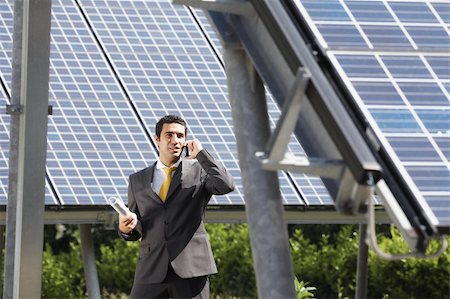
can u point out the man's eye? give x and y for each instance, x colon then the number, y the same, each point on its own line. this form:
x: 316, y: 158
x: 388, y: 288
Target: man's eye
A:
x: 180, y: 135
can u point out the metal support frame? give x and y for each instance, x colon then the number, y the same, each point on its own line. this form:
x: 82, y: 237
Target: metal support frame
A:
x: 264, y: 207
x: 28, y: 146
x: 2, y: 248
x: 362, y: 264
x: 89, y: 267
x: 275, y: 156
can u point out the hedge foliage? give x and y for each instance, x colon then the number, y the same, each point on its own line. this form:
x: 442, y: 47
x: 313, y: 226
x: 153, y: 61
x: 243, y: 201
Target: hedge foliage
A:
x: 324, y: 264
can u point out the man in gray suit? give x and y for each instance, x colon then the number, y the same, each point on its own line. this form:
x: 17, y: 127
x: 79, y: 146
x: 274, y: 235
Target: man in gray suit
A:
x: 168, y: 200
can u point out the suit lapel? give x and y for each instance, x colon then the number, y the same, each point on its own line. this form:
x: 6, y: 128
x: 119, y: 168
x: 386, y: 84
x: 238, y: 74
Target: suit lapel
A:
x: 146, y: 181
x: 177, y: 179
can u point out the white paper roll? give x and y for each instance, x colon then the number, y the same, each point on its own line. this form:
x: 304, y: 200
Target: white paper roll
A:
x: 119, y: 206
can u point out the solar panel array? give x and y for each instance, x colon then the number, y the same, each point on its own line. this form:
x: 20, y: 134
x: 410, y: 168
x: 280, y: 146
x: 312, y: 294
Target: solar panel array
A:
x: 394, y: 56
x: 116, y: 67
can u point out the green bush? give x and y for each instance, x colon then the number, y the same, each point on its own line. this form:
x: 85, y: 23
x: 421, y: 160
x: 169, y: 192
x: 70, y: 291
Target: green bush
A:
x: 327, y: 261
x: 408, y: 278
x: 328, y: 267
x: 231, y: 248
x: 116, y: 266
x: 331, y: 267
x: 62, y: 274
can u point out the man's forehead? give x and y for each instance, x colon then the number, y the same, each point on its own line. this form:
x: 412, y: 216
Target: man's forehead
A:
x: 173, y: 128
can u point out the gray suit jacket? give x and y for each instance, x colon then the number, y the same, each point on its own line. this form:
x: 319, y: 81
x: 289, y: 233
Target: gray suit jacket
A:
x: 173, y: 231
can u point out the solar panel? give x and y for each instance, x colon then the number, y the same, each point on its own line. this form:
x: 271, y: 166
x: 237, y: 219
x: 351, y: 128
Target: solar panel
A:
x: 94, y: 138
x: 167, y: 66
x: 117, y: 66
x: 394, y: 58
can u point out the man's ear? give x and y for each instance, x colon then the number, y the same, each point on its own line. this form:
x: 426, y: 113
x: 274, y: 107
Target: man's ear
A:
x: 156, y: 139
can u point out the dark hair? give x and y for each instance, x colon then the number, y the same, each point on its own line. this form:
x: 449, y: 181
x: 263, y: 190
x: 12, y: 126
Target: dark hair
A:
x: 169, y: 119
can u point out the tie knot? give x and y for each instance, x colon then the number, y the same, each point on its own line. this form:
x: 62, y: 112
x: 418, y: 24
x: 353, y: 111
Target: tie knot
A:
x: 169, y: 170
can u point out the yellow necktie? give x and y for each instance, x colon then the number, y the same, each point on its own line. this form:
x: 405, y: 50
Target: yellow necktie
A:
x: 166, y: 184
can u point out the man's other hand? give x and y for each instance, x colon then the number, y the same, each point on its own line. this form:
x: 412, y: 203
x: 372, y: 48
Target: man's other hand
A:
x: 127, y: 223
x: 194, y: 147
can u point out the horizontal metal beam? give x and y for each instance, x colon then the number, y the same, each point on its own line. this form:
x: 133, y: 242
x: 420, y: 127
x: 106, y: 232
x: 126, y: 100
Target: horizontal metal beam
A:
x: 313, y: 166
x: 238, y: 7
x: 293, y: 214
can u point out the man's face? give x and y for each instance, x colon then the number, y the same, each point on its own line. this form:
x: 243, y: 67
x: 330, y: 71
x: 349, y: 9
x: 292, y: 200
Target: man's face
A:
x: 171, y: 142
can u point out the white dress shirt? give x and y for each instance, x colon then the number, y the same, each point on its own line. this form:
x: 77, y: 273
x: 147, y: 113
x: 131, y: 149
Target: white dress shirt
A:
x: 159, y: 175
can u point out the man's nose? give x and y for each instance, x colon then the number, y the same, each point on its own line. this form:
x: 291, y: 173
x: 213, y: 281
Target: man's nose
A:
x: 175, y: 139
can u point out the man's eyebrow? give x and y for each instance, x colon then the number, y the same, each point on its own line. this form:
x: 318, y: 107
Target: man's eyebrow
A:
x: 172, y: 132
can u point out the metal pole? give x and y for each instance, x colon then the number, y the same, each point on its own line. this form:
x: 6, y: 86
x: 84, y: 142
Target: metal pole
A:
x: 264, y: 208
x: 89, y: 267
x: 2, y: 247
x: 362, y: 265
x: 11, y: 208
x: 28, y: 146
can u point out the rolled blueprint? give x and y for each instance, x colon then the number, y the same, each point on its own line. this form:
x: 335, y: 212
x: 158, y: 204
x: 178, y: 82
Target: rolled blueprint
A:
x: 119, y: 206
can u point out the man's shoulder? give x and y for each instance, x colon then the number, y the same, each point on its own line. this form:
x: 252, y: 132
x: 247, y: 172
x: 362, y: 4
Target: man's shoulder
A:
x: 143, y: 171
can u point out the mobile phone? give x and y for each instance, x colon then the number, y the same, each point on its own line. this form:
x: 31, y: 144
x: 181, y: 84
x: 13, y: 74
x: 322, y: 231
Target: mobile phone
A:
x: 186, y: 149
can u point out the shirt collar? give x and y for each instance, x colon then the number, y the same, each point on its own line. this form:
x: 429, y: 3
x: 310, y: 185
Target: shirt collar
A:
x: 160, y: 165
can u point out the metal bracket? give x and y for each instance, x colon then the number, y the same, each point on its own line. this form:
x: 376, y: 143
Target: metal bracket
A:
x: 14, y: 109
x: 18, y: 109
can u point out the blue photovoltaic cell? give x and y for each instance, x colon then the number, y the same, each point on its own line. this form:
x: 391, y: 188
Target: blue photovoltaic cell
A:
x: 326, y: 10
x: 395, y: 121
x: 428, y: 37
x: 378, y: 93
x: 342, y: 35
x: 430, y: 178
x: 444, y: 145
x: 402, y: 67
x: 406, y: 92
x: 94, y: 138
x: 361, y: 66
x: 436, y: 120
x: 374, y: 11
x: 442, y: 10
x: 413, y: 12
x: 386, y: 36
x: 424, y: 94
x: 410, y: 149
x: 440, y: 66
x: 441, y: 208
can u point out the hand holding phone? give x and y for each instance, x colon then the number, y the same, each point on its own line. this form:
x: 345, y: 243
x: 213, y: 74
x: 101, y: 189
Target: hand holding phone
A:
x: 193, y: 148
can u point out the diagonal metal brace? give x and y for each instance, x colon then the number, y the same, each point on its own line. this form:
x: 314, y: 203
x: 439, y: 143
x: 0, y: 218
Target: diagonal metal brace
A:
x: 278, y: 142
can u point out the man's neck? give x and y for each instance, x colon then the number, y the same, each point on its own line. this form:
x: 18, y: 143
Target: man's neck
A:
x: 168, y: 162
